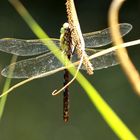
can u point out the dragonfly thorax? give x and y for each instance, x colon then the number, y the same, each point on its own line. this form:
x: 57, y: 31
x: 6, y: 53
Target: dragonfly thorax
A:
x: 65, y: 39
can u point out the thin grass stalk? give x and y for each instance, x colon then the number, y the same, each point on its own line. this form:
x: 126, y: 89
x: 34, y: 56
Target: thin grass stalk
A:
x: 115, y: 123
x: 5, y: 88
x: 126, y: 64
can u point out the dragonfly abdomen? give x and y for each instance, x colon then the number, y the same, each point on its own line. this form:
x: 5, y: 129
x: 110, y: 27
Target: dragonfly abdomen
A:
x: 66, y: 97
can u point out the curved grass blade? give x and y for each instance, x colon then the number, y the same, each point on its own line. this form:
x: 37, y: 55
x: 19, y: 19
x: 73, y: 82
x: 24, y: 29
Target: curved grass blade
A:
x: 107, y: 113
x: 98, y: 54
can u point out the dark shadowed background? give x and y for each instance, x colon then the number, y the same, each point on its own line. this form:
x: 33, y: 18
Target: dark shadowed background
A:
x: 32, y: 113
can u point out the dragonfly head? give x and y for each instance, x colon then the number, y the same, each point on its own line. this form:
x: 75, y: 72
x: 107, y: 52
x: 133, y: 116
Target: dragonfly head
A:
x: 64, y: 28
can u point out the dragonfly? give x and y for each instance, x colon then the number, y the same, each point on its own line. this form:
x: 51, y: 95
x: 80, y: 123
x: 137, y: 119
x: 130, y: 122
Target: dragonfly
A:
x: 45, y: 60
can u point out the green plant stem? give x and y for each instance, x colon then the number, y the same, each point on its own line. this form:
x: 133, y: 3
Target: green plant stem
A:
x: 115, y: 123
x: 6, y: 87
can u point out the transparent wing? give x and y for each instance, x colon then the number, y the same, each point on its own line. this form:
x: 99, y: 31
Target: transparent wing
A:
x: 102, y: 38
x: 33, y: 66
x: 104, y: 61
x: 47, y: 62
x: 23, y: 47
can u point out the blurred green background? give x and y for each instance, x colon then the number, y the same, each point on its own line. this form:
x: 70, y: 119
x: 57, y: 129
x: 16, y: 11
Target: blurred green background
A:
x: 32, y: 113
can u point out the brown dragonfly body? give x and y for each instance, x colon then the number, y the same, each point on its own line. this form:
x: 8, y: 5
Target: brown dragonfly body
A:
x: 47, y: 61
